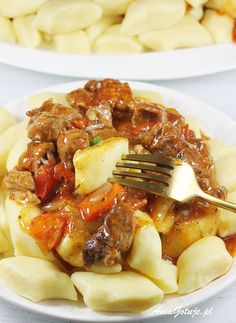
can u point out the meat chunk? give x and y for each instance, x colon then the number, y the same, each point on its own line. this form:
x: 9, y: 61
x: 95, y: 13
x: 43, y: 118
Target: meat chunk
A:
x: 20, y: 185
x: 117, y: 94
x: 48, y: 121
x: 19, y: 180
x: 70, y: 141
x: 112, y: 239
x: 36, y: 155
x: 168, y: 140
x: 148, y: 112
x: 104, y: 133
x: 100, y: 114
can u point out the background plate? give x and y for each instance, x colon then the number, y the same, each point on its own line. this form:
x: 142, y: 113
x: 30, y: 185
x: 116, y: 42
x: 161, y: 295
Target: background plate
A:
x: 146, y: 66
x: 77, y: 311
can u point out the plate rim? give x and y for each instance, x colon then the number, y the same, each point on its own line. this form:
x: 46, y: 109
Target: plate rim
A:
x: 180, y: 63
x: 121, y: 317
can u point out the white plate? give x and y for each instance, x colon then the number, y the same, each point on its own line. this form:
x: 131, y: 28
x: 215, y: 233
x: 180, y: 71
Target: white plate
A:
x: 146, y: 66
x: 219, y: 124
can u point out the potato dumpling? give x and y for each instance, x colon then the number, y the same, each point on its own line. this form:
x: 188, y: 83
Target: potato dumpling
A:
x: 146, y: 250
x: 113, y: 42
x: 18, y: 8
x: 224, y: 6
x: 36, y: 279
x: 201, y: 263
x: 219, y: 26
x: 219, y: 149
x: 146, y: 15
x: 101, y: 26
x: 6, y: 31
x: 102, y: 269
x: 26, y: 34
x: 3, y: 242
x: 114, y: 8
x: 71, y: 246
x: 4, y: 224
x: 6, y: 118
x: 186, y: 231
x: 7, y: 140
x: 121, y: 292
x: 64, y: 16
x: 145, y: 257
x: 194, y: 125
x: 37, y: 99
x: 227, y: 223
x: 225, y: 171
x: 94, y: 165
x: 196, y: 3
x: 74, y: 42
x: 188, y: 32
x: 197, y: 12
x: 152, y: 96
x: 162, y: 218
x: 24, y: 244
x: 16, y: 152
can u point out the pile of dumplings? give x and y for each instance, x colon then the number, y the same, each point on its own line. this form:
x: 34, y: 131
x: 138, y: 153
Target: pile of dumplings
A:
x: 120, y: 26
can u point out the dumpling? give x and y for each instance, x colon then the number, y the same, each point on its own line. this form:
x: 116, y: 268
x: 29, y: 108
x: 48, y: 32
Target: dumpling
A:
x: 146, y: 15
x: 202, y: 262
x: 188, y: 32
x: 114, y: 7
x: 113, y: 42
x: 227, y: 223
x: 63, y: 16
x: 196, y: 3
x: 122, y: 292
x: 6, y: 118
x: 219, y: 26
x: 101, y: 26
x: 26, y: 34
x: 100, y: 160
x: 6, y: 32
x: 18, y: 8
x: 36, y: 279
x: 225, y: 6
x: 74, y: 42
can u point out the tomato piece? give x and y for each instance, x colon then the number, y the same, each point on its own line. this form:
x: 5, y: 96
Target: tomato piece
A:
x: 47, y: 229
x: 144, y: 127
x: 62, y: 171
x: 44, y: 181
x: 230, y: 243
x: 100, y: 201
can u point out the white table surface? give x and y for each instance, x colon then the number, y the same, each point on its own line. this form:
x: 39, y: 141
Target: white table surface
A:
x: 218, y: 90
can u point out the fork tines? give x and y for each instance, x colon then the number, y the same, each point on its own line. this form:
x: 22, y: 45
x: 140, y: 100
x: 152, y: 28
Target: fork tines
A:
x: 154, y: 176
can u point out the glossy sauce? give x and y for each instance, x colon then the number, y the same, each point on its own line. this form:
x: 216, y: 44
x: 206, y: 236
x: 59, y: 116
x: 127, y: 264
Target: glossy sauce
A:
x: 230, y: 243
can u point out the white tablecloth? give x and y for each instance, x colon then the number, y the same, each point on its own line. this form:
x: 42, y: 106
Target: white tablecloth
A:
x: 218, y: 90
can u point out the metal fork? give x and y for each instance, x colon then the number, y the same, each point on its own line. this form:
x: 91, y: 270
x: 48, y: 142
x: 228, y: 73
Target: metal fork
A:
x: 167, y: 177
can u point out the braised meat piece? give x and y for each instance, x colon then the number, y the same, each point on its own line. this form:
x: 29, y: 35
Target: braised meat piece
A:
x: 100, y: 114
x: 36, y: 155
x: 48, y: 121
x: 117, y: 94
x: 148, y: 112
x: 112, y: 239
x: 20, y: 185
x: 19, y: 180
x: 70, y: 141
x: 104, y: 133
x: 168, y: 140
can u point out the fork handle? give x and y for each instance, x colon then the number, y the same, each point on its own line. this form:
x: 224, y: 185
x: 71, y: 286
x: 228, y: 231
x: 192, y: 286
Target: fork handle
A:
x: 218, y: 202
